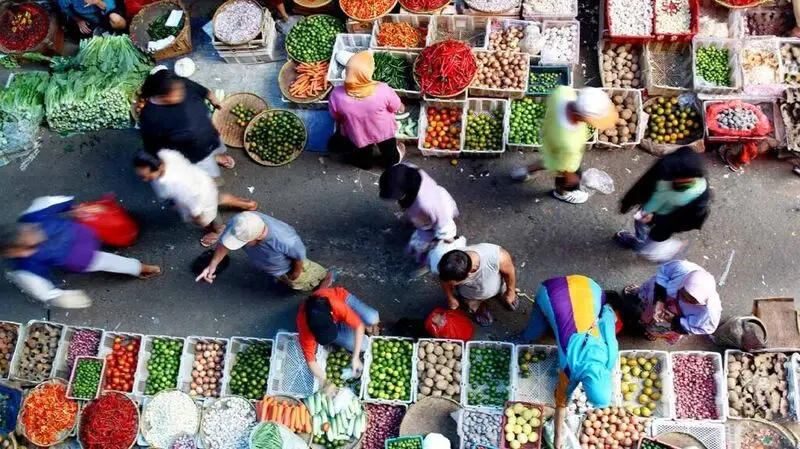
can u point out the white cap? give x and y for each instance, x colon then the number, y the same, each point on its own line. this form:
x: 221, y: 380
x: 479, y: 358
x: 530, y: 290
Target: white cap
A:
x: 244, y: 228
x: 594, y: 106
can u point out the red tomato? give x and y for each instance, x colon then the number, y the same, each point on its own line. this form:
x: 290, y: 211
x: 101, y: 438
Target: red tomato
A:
x: 117, y: 346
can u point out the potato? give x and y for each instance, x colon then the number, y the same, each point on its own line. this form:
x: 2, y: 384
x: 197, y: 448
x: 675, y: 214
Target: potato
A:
x: 429, y: 347
x: 441, y: 359
x: 442, y: 385
x: 457, y: 367
x: 450, y: 363
x: 450, y: 390
x: 457, y: 350
x: 438, y: 378
x: 449, y: 355
x: 428, y: 365
x: 420, y: 365
x: 445, y: 371
x: 430, y: 372
x: 456, y: 377
x: 447, y: 346
x: 421, y: 354
x: 437, y: 393
x: 428, y: 382
x: 438, y: 350
x: 448, y: 377
x: 431, y: 358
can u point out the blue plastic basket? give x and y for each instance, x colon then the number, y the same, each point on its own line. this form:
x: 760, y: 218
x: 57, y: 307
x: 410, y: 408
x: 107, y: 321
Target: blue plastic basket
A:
x: 392, y: 440
x: 564, y: 78
x: 14, y: 403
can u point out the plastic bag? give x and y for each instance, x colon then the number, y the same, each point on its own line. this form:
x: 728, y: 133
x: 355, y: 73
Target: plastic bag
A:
x: 596, y: 179
x: 762, y: 127
x: 533, y: 42
x: 132, y: 7
x: 448, y: 323
x: 109, y: 220
x: 435, y: 441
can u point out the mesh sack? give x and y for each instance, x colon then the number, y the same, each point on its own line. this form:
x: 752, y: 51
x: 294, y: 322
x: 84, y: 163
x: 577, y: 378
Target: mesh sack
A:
x: 762, y: 127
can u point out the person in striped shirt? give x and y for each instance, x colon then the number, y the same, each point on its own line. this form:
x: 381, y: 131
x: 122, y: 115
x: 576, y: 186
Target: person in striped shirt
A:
x: 575, y: 308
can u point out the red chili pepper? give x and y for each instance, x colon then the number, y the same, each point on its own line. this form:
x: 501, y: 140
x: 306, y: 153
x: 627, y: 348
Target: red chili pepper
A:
x: 109, y: 422
x: 421, y: 6
x: 23, y: 27
x: 445, y: 68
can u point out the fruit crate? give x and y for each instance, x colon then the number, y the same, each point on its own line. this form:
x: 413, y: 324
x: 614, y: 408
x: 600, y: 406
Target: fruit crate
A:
x: 499, y: 92
x: 637, y: 105
x: 721, y: 398
x: 188, y: 358
x: 329, y: 350
x: 460, y: 427
x: 410, y: 58
x: 14, y: 372
x: 466, y: 367
x: 237, y: 345
x: 529, y: 445
x: 353, y: 43
x: 541, y: 379
x: 705, y: 87
x: 107, y: 347
x: 99, y: 383
x: 791, y: 380
x: 469, y: 29
x: 19, y: 328
x: 513, y: 146
x: 460, y: 360
x: 365, y: 377
x: 288, y: 372
x: 711, y: 435
x: 576, y: 43
x: 564, y: 77
x: 146, y: 350
x: 423, y: 126
x: 484, y: 106
x: 62, y: 370
x: 663, y: 408
x: 415, y: 20
x: 387, y: 444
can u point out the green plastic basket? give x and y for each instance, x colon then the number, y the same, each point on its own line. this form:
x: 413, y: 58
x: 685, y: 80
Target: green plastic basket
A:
x: 398, y: 439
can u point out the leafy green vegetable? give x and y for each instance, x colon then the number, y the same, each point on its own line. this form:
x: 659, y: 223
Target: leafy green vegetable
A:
x: 159, y: 30
x: 21, y: 112
x: 112, y: 54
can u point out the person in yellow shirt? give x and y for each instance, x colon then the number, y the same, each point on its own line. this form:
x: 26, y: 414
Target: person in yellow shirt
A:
x: 564, y: 129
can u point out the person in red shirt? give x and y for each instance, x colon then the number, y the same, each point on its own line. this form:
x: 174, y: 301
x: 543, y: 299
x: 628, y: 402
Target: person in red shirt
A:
x: 333, y: 316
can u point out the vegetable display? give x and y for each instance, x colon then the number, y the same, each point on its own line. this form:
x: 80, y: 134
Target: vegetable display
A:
x: 621, y: 66
x: 243, y: 114
x: 543, y: 82
x: 439, y: 369
x: 251, y: 370
x: 523, y: 425
x: 560, y: 44
x: 484, y: 131
x: 86, y: 378
x: 502, y: 70
x: 39, y: 351
x: 47, y: 416
x: 390, y: 370
x: 23, y: 27
x: 292, y: 415
x: 404, y: 443
x: 159, y: 30
x: 9, y: 333
x: 401, y: 35
x: 630, y: 17
x: 445, y: 68
x: 227, y: 423
x: 266, y: 436
x: 611, y: 427
x: 506, y: 39
x: 526, y: 121
x: 395, y: 71
x: 383, y: 422
x: 423, y: 6
x: 167, y: 416
x: 121, y: 363
x: 275, y: 136
x: 713, y: 66
x: 109, y: 422
x: 312, y: 79
x: 163, y: 365
x: 85, y: 342
x: 238, y: 22
x: 642, y: 383
x: 627, y: 123
x: 209, y: 361
x: 695, y: 386
x: 489, y: 376
x: 481, y: 428
x: 335, y: 365
x: 408, y: 122
x: 330, y: 428
x: 671, y: 123
x: 312, y: 39
x: 758, y: 386
x: 444, y: 128
x: 21, y: 114
x: 112, y: 54
x: 366, y: 9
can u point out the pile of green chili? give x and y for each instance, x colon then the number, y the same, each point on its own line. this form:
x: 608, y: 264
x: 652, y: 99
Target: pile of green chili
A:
x: 393, y: 70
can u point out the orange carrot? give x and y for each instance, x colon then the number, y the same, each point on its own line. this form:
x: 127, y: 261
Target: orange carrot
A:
x: 287, y: 417
x: 276, y: 410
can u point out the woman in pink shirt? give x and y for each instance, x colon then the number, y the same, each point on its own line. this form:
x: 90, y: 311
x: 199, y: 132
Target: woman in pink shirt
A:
x: 364, y: 112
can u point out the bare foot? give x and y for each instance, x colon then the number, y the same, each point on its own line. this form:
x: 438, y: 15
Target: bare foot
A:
x: 209, y: 239
x: 149, y: 271
x: 226, y: 161
x: 795, y: 32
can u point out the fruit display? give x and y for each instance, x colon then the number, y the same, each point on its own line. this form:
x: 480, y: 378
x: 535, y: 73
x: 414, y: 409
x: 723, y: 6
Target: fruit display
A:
x: 611, y: 427
x: 39, y: 351
x: 525, y: 122
x: 695, y: 386
x: 484, y: 130
x: 758, y: 386
x: 338, y: 371
x: 404, y: 443
x: 383, y: 422
x: 275, y: 136
x: 522, y: 424
x: 243, y: 114
x: 9, y: 334
x: 311, y: 39
x: 627, y: 105
x: 650, y: 443
x: 390, y: 369
x: 621, y: 65
x: 489, y: 375
x: 759, y: 66
x: 330, y: 428
x: 481, y: 428
x: 529, y: 356
x: 207, y: 367
x: 506, y: 70
x: 670, y: 122
x: 542, y: 81
x: 163, y: 365
x: 121, y: 362
x: 644, y: 376
x: 509, y: 38
x: 439, y: 369
x: 712, y: 65
x: 444, y: 128
x: 250, y: 370
x: 86, y: 378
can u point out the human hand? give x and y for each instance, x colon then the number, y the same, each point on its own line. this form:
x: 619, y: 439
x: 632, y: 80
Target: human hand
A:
x: 356, y: 365
x: 208, y: 274
x: 558, y: 440
x: 510, y: 296
x: 646, y: 218
x: 330, y: 389
x: 294, y: 274
x: 453, y: 303
x: 83, y: 26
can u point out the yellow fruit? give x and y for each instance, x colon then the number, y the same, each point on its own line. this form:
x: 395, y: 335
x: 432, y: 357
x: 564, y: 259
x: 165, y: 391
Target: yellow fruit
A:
x: 623, y: 360
x: 647, y: 390
x: 534, y: 437
x: 509, y: 428
x: 645, y: 412
x: 644, y: 374
x: 526, y: 428
x: 517, y: 429
x: 511, y: 420
x: 509, y: 412
x: 527, y: 414
x: 655, y: 396
x: 651, y: 405
x: 509, y: 436
x: 535, y: 422
x: 515, y: 444
x: 643, y: 399
x: 636, y: 371
x: 628, y: 397
x: 648, y: 383
x: 536, y: 413
x: 519, y: 408
x: 648, y: 366
x: 522, y: 438
x: 641, y: 360
x: 654, y: 376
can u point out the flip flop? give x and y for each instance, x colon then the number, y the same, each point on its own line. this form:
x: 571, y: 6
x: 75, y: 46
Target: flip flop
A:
x: 483, y: 316
x: 226, y: 161
x: 207, y: 242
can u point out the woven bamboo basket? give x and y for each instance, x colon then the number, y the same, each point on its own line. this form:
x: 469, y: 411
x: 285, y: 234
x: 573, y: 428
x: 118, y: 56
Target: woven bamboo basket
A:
x: 135, y: 406
x: 286, y: 46
x: 225, y: 6
x: 232, y: 134
x: 11, y: 439
x: 428, y: 415
x: 64, y: 434
x: 312, y: 4
x: 429, y: 11
x: 456, y: 94
x: 147, y: 15
x: 208, y: 405
x: 307, y: 437
x: 294, y: 156
x: 287, y: 76
x: 516, y: 8
x: 142, y: 422
x: 369, y: 19
x: 47, y: 41
x: 749, y: 5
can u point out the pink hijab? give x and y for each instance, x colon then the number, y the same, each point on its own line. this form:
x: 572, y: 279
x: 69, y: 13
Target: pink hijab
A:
x: 701, y: 285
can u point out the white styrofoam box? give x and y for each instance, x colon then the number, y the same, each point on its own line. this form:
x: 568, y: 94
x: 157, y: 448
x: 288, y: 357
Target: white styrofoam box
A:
x: 20, y: 329
x: 462, y: 444
x: 791, y: 381
x: 146, y: 348
x: 767, y: 44
x: 368, y: 359
x: 663, y: 407
x: 460, y: 360
x: 576, y: 42
x: 530, y: 11
x: 14, y: 373
x: 640, y: 128
x: 469, y: 29
x: 188, y: 358
x: 415, y: 20
x: 61, y: 368
x: 235, y: 346
x: 423, y: 127
x: 100, y: 383
x: 712, y: 435
x: 486, y: 106
x: 288, y: 372
x: 721, y: 398
x: 410, y: 58
x: 494, y: 92
x: 540, y: 385
x: 704, y: 87
x: 511, y: 146
x: 465, y: 385
x: 107, y: 347
x: 353, y: 43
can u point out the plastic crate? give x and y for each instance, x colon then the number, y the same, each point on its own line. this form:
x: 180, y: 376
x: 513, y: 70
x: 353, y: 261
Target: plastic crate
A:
x: 791, y: 381
x: 702, y: 86
x: 410, y: 58
x: 415, y: 20
x: 530, y: 11
x: 99, y: 384
x: 768, y: 106
x: 654, y: 442
x: 663, y: 405
x: 368, y: 363
x: 14, y: 373
x: 414, y: 109
x: 721, y: 398
x: 783, y: 64
x: 460, y: 428
x: 188, y: 359
x: 288, y: 372
x: 576, y: 43
x: 500, y: 24
x: 538, y: 443
x: 423, y: 126
x: 19, y: 328
x: 564, y: 76
x: 107, y: 347
x: 469, y: 29
x: 14, y: 402
x: 512, y: 146
x: 542, y: 380
x: 627, y: 39
x: 465, y: 387
x: 460, y: 360
x: 712, y: 435
x: 146, y: 348
x: 640, y: 129
x: 235, y: 346
x: 387, y: 443
x: 61, y: 369
x: 353, y: 43
x: 486, y: 106
x: 656, y: 71
x: 766, y: 44
x: 322, y: 360
x: 476, y: 90
x: 694, y: 24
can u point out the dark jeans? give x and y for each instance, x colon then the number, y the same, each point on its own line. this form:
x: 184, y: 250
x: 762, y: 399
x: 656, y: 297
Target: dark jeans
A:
x: 567, y: 181
x: 364, y: 157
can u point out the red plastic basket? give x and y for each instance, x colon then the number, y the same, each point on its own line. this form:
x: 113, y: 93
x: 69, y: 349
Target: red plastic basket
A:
x: 694, y: 27
x: 621, y: 39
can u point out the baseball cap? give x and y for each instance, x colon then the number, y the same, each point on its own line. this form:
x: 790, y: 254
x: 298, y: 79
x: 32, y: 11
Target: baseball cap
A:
x: 596, y: 109
x: 244, y: 228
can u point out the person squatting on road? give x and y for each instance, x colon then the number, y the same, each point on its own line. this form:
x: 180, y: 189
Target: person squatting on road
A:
x: 564, y: 130
x: 273, y: 247
x: 191, y: 190
x: 476, y: 273
x: 575, y: 308
x: 85, y: 15
x: 673, y: 196
x: 46, y: 237
x: 334, y: 316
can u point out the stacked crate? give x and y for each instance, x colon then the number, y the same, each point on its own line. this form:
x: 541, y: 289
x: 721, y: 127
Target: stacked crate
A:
x: 258, y: 51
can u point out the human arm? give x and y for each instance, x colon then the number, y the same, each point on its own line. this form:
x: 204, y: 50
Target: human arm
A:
x: 450, y: 292
x: 317, y: 371
x: 296, y: 271
x: 212, y: 98
x: 209, y: 273
x: 355, y: 362
x: 393, y: 102
x: 105, y: 5
x: 509, y: 275
x: 562, y: 396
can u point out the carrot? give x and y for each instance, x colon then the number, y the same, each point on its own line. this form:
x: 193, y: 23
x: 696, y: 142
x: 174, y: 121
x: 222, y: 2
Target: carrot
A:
x: 276, y: 412
x: 295, y: 418
x: 287, y: 417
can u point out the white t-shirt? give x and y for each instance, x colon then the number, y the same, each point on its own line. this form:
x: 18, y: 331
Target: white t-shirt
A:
x: 192, y: 189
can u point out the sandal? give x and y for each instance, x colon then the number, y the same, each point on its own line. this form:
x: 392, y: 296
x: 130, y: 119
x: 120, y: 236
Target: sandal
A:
x: 226, y: 161
x: 151, y: 274
x: 210, y: 239
x: 483, y: 316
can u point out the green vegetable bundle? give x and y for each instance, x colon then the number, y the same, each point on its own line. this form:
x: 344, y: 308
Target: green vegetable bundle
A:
x: 112, y: 54
x: 393, y: 70
x: 159, y: 30
x: 266, y: 436
x: 21, y: 112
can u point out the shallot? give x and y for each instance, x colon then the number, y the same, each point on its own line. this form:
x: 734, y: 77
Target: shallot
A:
x: 383, y: 422
x: 85, y: 342
x: 695, y: 387
x: 238, y: 22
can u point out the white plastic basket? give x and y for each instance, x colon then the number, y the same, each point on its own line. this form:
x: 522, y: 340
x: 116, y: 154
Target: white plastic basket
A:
x: 368, y: 359
x: 188, y: 358
x: 353, y: 43
x: 469, y: 29
x: 465, y: 387
x: 462, y: 444
x: 769, y: 45
x: 60, y: 365
x: 641, y: 62
x: 721, y: 398
x: 322, y: 358
x: 541, y: 384
x: 533, y: 9
x: 410, y: 58
x: 501, y: 24
x: 486, y: 106
x: 140, y: 384
x: 476, y: 90
x: 20, y: 329
x: 514, y: 146
x: 415, y: 20
x: 712, y: 435
x: 663, y: 405
x: 791, y: 381
x: 460, y: 360
x: 703, y: 86
x: 576, y: 42
x: 14, y: 373
x: 794, y: 386
x: 681, y: 52
x: 640, y: 128
x: 100, y: 382
x: 423, y: 126
x: 237, y: 345
x: 288, y: 372
x: 107, y: 347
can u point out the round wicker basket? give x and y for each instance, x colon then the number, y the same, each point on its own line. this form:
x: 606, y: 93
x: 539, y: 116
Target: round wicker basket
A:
x: 232, y: 134
x: 144, y: 425
x: 749, y: 5
x: 135, y: 407
x: 425, y: 11
x: 312, y: 4
x: 61, y: 435
x: 147, y: 15
x: 227, y: 5
x: 11, y: 439
x: 456, y: 94
x: 368, y: 19
x: 287, y: 76
x: 47, y: 39
x: 428, y: 415
x: 294, y: 155
x: 207, y: 406
x: 491, y: 11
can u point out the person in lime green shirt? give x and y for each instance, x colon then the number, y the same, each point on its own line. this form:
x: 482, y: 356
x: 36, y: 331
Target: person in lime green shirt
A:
x: 564, y: 130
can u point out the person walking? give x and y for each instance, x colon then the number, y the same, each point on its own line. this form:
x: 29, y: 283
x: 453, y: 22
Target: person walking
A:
x: 364, y: 112
x: 673, y: 196
x: 191, y: 190
x: 475, y: 274
x: 575, y: 308
x: 86, y: 15
x: 334, y: 316
x: 46, y: 237
x: 176, y: 117
x: 273, y: 247
x: 564, y: 134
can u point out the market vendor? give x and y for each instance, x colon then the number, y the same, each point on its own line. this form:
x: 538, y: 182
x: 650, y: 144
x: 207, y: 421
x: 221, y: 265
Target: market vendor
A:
x: 575, y: 308
x: 89, y: 14
x: 334, y: 316
x: 564, y: 130
x: 46, y: 237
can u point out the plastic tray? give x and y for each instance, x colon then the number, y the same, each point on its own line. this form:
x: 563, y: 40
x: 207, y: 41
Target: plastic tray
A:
x: 465, y: 388
x: 538, y: 443
x: 17, y: 358
x: 99, y: 384
x: 187, y: 361
x: 469, y: 29
x: 719, y: 376
x: 540, y: 385
x: 410, y: 58
x: 146, y: 348
x: 712, y: 435
x: 564, y: 76
x: 423, y: 126
x: 493, y: 92
x: 462, y: 442
x: 322, y: 359
x: 353, y: 43
x: 389, y: 441
x: 460, y: 359
x: 640, y: 129
x: 735, y: 75
x: 235, y: 346
x: 61, y: 369
x: 576, y: 44
x: 791, y: 380
x: 107, y: 347
x: 368, y: 362
x: 14, y: 405
x: 288, y: 372
x: 485, y: 106
x: 512, y: 146
x: 415, y: 20
x: 20, y: 328
x: 663, y: 405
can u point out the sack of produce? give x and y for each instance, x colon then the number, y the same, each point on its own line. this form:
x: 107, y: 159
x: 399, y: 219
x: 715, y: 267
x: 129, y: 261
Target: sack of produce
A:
x: 110, y: 221
x: 737, y: 118
x: 451, y: 324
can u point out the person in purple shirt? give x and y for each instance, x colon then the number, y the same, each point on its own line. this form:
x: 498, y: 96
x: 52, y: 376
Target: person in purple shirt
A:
x: 89, y: 14
x: 45, y: 237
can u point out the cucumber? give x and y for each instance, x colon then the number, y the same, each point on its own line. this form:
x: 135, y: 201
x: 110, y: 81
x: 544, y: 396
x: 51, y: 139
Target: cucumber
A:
x: 402, y: 116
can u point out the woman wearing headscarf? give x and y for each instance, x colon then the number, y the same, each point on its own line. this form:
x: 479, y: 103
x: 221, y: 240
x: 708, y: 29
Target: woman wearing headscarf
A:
x: 673, y: 196
x: 364, y: 111
x: 575, y: 308
x: 428, y: 206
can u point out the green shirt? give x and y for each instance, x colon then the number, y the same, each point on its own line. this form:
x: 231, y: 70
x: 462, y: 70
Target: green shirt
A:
x: 665, y: 200
x: 563, y: 143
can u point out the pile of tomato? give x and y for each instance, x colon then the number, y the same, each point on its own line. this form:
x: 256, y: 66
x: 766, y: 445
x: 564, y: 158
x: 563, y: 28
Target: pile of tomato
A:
x: 23, y: 27
x: 121, y: 363
x: 444, y: 129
